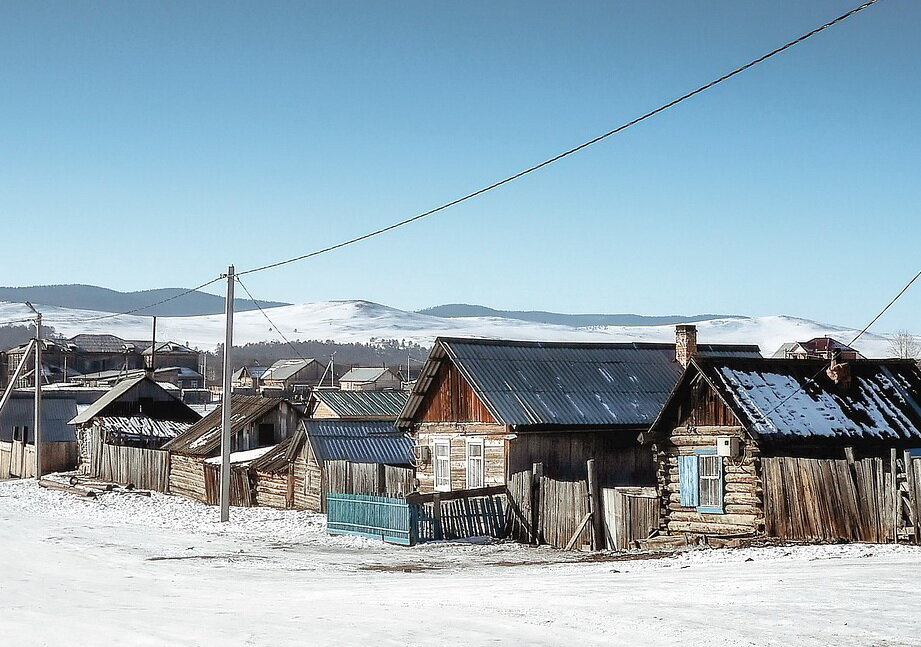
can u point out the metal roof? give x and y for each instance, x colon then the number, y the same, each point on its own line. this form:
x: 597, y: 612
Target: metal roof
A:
x: 204, y: 437
x: 363, y: 404
x: 789, y: 398
x: 365, y: 374
x: 170, y: 347
x: 358, y: 441
x: 19, y: 411
x: 100, y: 343
x: 562, y: 383
x: 284, y: 369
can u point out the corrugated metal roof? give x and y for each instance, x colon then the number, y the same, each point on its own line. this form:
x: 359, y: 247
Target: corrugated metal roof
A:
x: 563, y: 383
x: 100, y: 343
x: 363, y: 404
x: 364, y: 374
x: 204, y: 437
x: 284, y: 369
x: 359, y: 441
x: 56, y: 412
x: 775, y: 397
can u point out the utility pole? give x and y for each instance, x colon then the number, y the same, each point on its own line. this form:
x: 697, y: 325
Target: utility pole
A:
x: 225, y: 399
x: 37, y: 421
x: 153, y: 349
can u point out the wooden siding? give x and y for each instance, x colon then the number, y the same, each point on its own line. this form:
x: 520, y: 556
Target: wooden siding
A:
x: 742, y: 490
x: 308, y: 480
x: 619, y: 459
x: 494, y: 437
x: 703, y: 407
x: 186, y: 476
x: 450, y: 399
x: 273, y: 489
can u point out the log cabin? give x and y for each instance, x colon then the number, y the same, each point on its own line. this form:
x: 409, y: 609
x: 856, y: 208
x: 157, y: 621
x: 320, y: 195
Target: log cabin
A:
x: 346, y: 456
x: 484, y: 410
x: 256, y: 423
x: 792, y: 448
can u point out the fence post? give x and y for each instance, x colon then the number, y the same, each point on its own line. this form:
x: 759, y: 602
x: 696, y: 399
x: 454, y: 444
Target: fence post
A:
x: 437, y: 529
x: 911, y: 487
x: 896, y: 499
x: 537, y: 472
x: 594, y: 507
x: 382, y: 479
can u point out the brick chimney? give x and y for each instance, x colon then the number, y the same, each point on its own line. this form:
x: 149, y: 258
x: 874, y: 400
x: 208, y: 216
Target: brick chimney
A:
x: 685, y: 343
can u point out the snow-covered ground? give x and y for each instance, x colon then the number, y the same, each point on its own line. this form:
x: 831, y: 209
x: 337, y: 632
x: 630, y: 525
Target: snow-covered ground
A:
x: 132, y: 570
x: 361, y: 321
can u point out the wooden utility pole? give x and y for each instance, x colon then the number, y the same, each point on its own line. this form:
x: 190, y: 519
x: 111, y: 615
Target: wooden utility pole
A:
x: 37, y: 420
x: 225, y: 399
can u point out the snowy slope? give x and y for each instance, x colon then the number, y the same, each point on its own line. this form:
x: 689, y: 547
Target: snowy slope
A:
x: 361, y: 321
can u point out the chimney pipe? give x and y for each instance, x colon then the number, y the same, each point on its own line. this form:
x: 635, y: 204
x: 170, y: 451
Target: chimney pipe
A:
x: 685, y: 343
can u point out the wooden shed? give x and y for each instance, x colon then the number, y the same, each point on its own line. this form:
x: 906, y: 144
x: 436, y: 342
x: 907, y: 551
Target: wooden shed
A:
x: 797, y: 449
x: 346, y: 456
x: 17, y: 435
x: 257, y: 423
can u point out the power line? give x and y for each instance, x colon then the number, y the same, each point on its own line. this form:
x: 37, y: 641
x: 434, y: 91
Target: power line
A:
x: 859, y: 335
x: 571, y: 151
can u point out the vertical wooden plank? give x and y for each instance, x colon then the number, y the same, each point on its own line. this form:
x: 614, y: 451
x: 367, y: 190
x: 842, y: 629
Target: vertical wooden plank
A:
x: 595, y: 508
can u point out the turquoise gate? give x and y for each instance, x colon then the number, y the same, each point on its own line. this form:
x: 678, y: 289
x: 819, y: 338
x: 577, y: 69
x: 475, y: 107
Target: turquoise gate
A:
x: 391, y: 519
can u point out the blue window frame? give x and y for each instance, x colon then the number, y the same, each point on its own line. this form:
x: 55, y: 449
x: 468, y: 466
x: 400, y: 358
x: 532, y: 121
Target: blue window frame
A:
x: 700, y: 479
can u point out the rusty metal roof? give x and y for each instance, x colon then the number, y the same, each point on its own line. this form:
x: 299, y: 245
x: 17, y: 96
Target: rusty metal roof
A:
x: 384, y: 405
x: 563, y: 383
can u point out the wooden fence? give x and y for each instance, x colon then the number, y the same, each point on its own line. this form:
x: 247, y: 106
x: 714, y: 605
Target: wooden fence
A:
x: 460, y: 514
x: 368, y: 478
x: 560, y: 510
x: 390, y: 519
x: 145, y: 468
x: 631, y: 514
x: 871, y: 500
x: 241, y: 488
x: 17, y: 459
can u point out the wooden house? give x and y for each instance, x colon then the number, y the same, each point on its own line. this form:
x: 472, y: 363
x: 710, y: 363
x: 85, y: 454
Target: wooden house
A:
x: 370, y: 379
x: 356, y: 405
x: 17, y: 435
x: 170, y: 354
x: 798, y: 449
x: 484, y: 410
x: 121, y: 434
x: 257, y: 424
x: 290, y: 376
x: 347, y: 456
x: 246, y: 379
x: 817, y: 348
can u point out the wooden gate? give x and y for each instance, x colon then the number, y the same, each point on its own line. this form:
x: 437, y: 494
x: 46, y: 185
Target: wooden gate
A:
x: 630, y: 515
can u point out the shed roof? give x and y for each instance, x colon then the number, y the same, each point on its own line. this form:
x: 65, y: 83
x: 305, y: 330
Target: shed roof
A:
x: 562, y: 383
x: 363, y: 404
x: 204, y: 437
x: 120, y: 390
x: 170, y: 347
x: 285, y: 369
x: 142, y: 426
x: 365, y: 374
x: 56, y: 412
x: 358, y: 441
x: 797, y: 398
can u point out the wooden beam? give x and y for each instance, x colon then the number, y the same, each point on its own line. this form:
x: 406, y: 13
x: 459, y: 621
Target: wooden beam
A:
x: 575, y: 537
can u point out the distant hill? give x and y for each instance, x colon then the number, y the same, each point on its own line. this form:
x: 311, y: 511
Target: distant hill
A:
x: 454, y: 310
x: 91, y: 297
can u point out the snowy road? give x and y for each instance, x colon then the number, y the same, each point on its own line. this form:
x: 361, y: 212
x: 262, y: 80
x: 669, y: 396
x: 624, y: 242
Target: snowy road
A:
x: 135, y: 571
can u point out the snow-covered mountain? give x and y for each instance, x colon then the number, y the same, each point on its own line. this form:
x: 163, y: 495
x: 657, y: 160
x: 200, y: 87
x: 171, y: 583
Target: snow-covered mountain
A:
x: 361, y: 321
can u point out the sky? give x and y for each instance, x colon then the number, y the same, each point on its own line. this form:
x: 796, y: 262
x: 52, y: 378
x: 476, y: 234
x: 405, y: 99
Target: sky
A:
x: 151, y: 144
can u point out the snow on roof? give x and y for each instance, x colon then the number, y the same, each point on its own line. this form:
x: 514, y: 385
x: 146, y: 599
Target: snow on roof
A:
x: 797, y: 398
x: 364, y: 374
x: 238, y: 458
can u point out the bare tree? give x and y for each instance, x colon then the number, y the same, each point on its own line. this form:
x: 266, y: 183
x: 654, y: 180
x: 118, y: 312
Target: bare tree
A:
x: 904, y: 345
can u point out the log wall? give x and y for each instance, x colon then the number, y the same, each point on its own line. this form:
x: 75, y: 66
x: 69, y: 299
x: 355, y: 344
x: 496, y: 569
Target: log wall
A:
x: 743, y: 500
x: 272, y: 489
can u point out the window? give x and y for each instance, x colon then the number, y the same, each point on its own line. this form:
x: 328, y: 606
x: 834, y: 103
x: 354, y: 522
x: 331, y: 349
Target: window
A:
x: 442, y: 462
x: 266, y: 435
x: 475, y: 466
x: 701, y: 481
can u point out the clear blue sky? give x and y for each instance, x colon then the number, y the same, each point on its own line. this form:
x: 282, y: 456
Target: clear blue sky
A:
x: 149, y: 144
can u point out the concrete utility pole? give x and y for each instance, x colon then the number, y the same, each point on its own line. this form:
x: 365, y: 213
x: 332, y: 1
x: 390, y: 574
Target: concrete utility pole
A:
x: 37, y: 421
x: 225, y: 399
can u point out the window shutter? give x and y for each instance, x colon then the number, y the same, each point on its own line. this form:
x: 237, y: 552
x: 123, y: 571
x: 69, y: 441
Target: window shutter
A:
x: 687, y: 477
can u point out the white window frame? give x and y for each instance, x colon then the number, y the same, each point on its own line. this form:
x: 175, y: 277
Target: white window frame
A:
x: 442, y: 481
x: 472, y: 461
